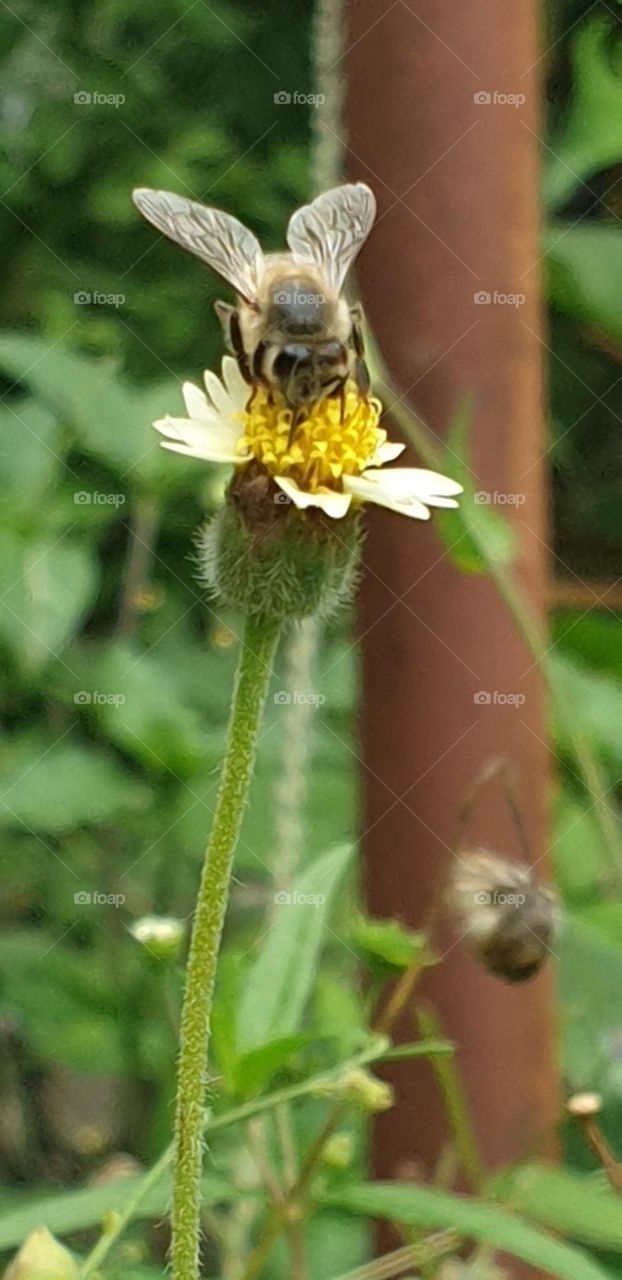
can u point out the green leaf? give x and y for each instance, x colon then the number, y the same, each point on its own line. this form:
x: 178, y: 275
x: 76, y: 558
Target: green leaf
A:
x: 254, y: 1070
x: 45, y: 589
x: 590, y: 985
x: 111, y: 420
x: 143, y: 708
x: 584, y: 271
x: 590, y: 137
x: 415, y: 1206
x: 581, y: 863
x: 280, y: 982
x: 387, y: 944
x: 596, y: 703
x: 582, y: 1206
x: 29, y: 453
x: 476, y: 533
x: 80, y: 1210
x: 54, y: 786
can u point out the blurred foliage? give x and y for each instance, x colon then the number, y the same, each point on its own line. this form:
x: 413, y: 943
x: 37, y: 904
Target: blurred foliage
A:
x: 116, y: 671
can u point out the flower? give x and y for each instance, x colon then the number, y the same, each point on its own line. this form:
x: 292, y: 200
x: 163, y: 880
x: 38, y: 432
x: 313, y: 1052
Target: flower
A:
x: 161, y: 935
x: 334, y: 458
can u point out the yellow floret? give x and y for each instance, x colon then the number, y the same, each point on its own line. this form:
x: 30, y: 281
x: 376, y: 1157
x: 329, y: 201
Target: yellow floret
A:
x: 325, y: 446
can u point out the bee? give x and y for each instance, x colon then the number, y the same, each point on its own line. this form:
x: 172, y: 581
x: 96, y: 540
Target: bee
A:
x: 291, y: 330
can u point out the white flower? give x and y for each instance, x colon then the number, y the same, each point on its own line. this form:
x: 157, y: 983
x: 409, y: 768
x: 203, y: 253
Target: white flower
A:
x: 336, y: 457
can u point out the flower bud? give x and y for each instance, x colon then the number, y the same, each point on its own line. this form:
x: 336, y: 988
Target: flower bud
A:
x: 510, y: 919
x: 41, y: 1257
x: 161, y: 936
x: 359, y: 1089
x: 339, y: 1151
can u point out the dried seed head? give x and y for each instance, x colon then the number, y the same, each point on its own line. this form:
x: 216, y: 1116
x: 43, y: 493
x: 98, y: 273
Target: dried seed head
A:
x: 510, y: 919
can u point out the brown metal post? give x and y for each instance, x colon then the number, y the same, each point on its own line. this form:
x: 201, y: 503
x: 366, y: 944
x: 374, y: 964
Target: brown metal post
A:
x: 453, y: 159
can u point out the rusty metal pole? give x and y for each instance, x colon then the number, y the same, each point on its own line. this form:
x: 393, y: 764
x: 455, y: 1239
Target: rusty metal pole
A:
x: 454, y: 163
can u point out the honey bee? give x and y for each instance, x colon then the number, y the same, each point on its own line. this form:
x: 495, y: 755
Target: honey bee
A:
x: 291, y: 329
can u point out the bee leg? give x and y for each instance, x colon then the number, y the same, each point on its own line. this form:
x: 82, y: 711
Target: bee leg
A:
x: 361, y: 377
x: 297, y: 416
x: 251, y: 399
x: 356, y: 315
x: 228, y: 317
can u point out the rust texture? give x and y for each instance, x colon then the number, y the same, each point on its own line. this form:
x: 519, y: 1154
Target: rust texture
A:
x: 457, y: 184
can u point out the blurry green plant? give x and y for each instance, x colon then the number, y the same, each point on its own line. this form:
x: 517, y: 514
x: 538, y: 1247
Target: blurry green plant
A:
x: 98, y: 597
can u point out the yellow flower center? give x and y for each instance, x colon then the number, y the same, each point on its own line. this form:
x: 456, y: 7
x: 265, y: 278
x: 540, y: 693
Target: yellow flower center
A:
x: 326, y: 445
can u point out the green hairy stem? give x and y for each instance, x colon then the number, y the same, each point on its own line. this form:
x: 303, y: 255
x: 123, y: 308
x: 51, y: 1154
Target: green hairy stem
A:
x: 260, y: 640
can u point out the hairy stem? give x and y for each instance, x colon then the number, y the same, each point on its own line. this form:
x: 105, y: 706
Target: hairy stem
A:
x: 258, y: 650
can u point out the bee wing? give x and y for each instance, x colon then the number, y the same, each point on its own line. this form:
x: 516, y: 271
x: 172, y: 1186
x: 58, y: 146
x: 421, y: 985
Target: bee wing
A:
x: 225, y: 244
x: 330, y: 231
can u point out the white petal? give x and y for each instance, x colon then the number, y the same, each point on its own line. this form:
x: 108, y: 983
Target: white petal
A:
x: 218, y: 394
x: 334, y: 504
x: 238, y: 389
x: 195, y: 402
x: 215, y: 440
x: 387, y: 452
x: 206, y: 455
x: 417, y: 483
x: 367, y: 490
